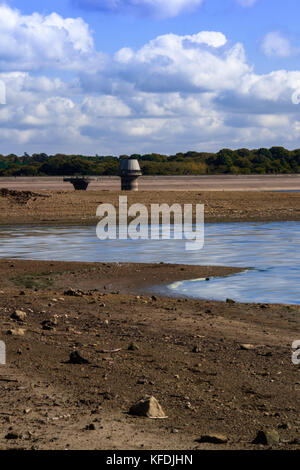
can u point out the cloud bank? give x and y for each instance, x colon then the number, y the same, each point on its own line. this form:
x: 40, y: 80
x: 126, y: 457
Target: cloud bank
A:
x: 175, y: 93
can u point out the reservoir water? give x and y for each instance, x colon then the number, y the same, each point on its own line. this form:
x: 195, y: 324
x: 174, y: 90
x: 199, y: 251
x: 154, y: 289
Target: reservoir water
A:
x: 269, y: 251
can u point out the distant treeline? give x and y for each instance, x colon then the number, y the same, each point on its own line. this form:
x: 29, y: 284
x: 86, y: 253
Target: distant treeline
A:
x: 226, y: 161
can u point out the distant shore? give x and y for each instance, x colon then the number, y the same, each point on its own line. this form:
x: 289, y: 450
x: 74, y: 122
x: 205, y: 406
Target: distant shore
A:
x: 163, y: 183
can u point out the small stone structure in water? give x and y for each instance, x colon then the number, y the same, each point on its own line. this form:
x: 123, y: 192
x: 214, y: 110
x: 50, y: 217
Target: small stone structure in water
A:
x: 130, y: 171
x: 80, y: 183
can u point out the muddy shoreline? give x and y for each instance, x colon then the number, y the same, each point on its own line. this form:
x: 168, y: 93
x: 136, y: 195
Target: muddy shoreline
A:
x: 189, y: 355
x: 79, y: 207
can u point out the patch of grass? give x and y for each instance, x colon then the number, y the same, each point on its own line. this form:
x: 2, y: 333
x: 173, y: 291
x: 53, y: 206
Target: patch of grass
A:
x: 39, y: 281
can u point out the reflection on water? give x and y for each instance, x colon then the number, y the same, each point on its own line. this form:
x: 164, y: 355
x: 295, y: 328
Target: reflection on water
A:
x: 272, y: 250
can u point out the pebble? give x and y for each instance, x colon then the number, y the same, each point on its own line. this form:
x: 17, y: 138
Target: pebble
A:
x: 19, y: 315
x: 76, y: 358
x: 213, y: 438
x: 16, y: 332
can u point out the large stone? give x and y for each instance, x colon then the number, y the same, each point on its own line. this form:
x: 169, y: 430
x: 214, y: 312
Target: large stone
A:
x: 19, y: 315
x: 149, y: 407
x: 267, y: 438
x: 213, y: 438
x: 76, y: 358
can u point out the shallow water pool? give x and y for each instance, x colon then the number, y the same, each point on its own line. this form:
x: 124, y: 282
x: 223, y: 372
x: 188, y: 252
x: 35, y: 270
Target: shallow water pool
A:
x: 271, y: 251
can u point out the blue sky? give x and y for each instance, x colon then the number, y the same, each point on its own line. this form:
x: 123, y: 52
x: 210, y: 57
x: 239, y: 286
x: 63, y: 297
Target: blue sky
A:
x: 126, y: 76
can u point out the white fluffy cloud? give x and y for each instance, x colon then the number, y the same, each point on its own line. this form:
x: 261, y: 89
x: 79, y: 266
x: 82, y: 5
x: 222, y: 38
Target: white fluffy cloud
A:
x: 192, y: 63
x: 175, y: 93
x: 37, y: 41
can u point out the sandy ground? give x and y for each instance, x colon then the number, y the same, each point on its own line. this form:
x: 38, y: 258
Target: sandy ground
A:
x: 48, y: 403
x: 163, y: 183
x: 79, y: 207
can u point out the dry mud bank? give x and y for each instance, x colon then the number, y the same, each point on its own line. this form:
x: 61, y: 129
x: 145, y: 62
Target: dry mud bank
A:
x: 188, y: 354
x: 79, y: 207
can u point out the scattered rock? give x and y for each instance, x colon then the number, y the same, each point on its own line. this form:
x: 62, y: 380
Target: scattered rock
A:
x: 270, y: 437
x: 230, y: 301
x: 148, y: 407
x: 20, y: 197
x: 76, y: 358
x: 213, y: 438
x: 108, y: 395
x: 285, y: 426
x: 90, y: 427
x: 247, y: 347
x: 16, y: 332
x: 267, y: 354
x: 72, y: 292
x: 48, y: 324
x: 154, y: 298
x: 13, y: 435
x: 133, y: 347
x: 19, y: 315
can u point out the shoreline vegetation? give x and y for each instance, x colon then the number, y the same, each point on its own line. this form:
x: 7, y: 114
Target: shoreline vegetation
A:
x: 276, y: 160
x: 214, y: 367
